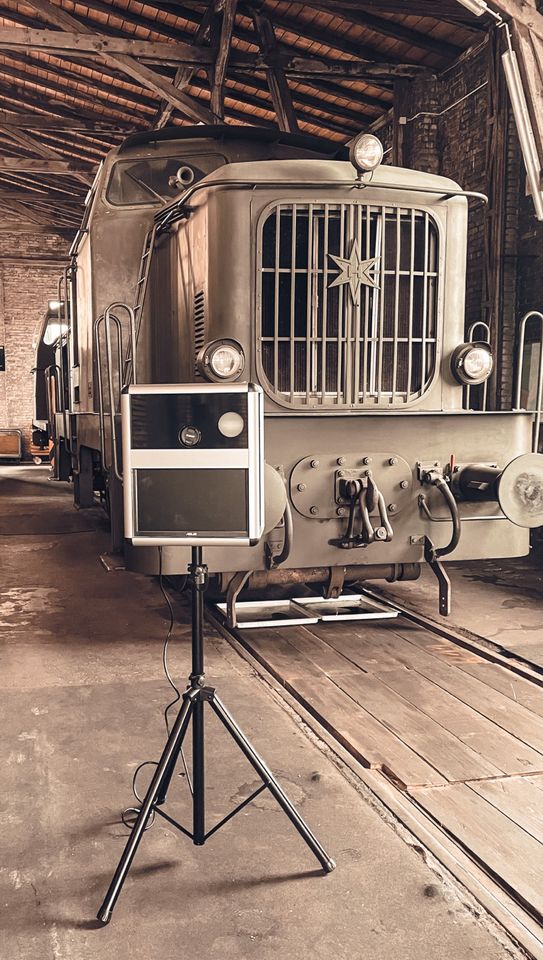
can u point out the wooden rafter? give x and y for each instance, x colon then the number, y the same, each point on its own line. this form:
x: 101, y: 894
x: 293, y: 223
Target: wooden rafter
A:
x: 138, y: 71
x: 185, y: 73
x: 56, y: 41
x: 275, y: 75
x: 227, y: 12
x: 393, y: 28
x: 58, y: 167
x: 31, y: 143
x: 91, y: 45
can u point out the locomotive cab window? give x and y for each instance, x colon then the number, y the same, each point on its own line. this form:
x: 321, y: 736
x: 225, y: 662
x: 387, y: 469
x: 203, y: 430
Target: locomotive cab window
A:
x: 154, y: 180
x: 348, y: 303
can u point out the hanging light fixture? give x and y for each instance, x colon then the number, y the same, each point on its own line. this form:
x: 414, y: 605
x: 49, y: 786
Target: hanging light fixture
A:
x: 477, y: 7
x: 523, y: 123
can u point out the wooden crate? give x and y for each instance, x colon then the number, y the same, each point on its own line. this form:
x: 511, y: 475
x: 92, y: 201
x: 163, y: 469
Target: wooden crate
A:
x: 11, y: 444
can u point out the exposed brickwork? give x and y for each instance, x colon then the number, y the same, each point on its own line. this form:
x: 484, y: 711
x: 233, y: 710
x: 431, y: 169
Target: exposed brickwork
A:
x: 25, y: 287
x: 458, y: 144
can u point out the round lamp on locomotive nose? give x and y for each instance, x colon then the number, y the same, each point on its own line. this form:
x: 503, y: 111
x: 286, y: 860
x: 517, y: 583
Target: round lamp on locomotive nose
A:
x: 221, y: 360
x: 472, y: 363
x: 366, y: 152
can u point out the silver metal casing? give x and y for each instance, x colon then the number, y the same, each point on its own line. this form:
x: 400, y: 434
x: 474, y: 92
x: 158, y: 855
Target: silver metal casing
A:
x: 243, y: 455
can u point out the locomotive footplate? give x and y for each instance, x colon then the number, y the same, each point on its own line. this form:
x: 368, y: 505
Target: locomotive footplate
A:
x: 318, y: 482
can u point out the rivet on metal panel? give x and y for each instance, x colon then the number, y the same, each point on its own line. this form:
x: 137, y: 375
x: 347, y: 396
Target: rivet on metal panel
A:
x: 314, y: 463
x: 314, y: 510
x: 301, y: 487
x: 393, y: 461
x: 340, y: 461
x: 366, y: 460
x: 392, y: 508
x: 404, y: 484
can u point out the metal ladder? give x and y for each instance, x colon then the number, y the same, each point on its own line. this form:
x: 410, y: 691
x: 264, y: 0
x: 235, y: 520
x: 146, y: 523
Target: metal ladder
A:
x: 141, y: 292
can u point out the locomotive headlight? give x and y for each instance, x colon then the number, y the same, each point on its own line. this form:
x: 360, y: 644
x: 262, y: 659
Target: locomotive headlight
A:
x: 221, y: 360
x: 472, y: 363
x: 366, y: 152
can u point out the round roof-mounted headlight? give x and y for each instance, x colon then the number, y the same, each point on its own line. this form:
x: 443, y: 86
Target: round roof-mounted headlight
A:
x: 472, y: 363
x: 366, y: 152
x: 221, y: 360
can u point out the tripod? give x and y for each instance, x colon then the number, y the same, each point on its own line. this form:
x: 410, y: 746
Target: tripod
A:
x: 194, y: 700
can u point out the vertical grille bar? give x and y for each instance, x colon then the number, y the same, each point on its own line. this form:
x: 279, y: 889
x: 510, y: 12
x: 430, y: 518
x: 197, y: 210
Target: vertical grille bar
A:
x: 340, y: 318
x: 411, y: 300
x: 324, y: 302
x: 349, y: 311
x: 292, y: 302
x: 380, y: 333
x: 309, y: 297
x: 396, y: 306
x: 357, y: 339
x: 276, y: 279
x: 367, y: 344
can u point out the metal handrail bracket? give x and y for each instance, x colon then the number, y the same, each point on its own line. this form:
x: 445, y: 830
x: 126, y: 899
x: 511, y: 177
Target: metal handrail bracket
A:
x: 106, y: 320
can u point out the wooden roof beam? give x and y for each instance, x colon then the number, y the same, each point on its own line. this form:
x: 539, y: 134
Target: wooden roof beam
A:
x: 138, y: 71
x: 38, y: 121
x: 66, y: 233
x: 393, y: 28
x: 275, y: 75
x: 85, y: 44
x: 451, y: 12
x: 185, y: 73
x: 227, y: 12
x: 58, y: 167
x: 26, y: 140
x: 56, y: 42
x: 523, y: 11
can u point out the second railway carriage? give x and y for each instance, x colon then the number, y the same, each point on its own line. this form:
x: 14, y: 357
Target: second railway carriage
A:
x: 336, y: 283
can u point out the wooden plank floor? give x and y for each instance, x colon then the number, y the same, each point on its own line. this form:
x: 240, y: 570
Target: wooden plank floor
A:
x: 461, y: 736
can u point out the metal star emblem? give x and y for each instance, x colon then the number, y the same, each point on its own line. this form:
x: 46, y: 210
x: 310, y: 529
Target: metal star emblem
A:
x: 355, y: 272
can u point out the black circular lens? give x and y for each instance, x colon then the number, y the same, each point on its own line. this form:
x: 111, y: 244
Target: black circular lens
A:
x: 190, y: 436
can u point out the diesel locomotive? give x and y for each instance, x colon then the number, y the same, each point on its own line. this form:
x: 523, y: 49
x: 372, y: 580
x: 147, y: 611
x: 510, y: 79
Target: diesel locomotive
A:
x: 336, y: 282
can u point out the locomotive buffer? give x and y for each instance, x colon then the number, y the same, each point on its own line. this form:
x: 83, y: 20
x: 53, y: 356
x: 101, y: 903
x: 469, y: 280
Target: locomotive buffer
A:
x: 196, y: 412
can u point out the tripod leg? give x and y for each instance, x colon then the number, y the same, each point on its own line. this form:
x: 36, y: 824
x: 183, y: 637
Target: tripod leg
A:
x: 265, y: 773
x: 198, y: 774
x: 173, y: 745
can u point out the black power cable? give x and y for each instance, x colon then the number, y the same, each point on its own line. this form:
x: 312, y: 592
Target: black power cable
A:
x: 128, y: 815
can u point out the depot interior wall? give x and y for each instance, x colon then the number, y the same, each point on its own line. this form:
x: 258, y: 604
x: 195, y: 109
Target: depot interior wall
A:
x: 460, y: 125
x: 30, y: 266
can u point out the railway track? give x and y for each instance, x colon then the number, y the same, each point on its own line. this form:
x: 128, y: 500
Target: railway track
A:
x: 443, y: 726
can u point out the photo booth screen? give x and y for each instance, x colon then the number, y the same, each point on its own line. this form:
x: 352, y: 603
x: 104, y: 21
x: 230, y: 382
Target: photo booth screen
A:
x: 193, y: 464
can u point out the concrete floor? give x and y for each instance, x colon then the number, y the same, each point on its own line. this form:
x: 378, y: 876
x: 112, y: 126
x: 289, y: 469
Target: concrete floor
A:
x: 83, y: 693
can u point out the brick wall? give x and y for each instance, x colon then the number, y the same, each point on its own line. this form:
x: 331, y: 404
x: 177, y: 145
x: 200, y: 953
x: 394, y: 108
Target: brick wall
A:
x: 459, y: 144
x: 30, y: 266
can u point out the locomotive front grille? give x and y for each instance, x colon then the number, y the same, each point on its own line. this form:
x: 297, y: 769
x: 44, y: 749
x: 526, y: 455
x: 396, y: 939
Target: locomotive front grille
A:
x: 348, y: 297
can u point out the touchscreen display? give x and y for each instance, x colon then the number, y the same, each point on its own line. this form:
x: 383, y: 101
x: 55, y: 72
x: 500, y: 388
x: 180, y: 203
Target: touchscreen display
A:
x: 194, y: 500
